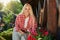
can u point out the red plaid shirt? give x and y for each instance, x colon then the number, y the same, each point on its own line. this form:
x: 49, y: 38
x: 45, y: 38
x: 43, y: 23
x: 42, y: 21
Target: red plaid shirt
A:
x: 20, y: 20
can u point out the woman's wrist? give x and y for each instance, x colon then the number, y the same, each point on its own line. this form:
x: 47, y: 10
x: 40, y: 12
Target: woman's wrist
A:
x: 20, y: 31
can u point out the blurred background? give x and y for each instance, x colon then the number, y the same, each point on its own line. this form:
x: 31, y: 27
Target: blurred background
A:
x: 9, y: 9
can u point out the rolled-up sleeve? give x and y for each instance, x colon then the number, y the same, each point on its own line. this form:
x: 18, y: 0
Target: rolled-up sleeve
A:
x: 33, y: 28
x: 17, y: 23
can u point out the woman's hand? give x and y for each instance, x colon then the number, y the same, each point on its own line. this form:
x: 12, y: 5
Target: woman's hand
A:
x: 21, y: 32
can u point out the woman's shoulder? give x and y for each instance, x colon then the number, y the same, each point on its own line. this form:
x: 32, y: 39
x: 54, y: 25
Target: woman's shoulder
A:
x: 20, y: 15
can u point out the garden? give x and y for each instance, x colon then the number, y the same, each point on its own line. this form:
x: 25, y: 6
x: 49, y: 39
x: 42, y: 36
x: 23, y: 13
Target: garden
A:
x: 8, y: 15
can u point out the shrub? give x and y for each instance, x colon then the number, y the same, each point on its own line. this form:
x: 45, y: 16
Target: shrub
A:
x: 1, y: 38
x: 7, y: 34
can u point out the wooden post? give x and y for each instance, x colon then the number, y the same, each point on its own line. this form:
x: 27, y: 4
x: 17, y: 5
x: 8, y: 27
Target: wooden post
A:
x: 51, y: 16
x: 59, y: 13
x: 58, y: 29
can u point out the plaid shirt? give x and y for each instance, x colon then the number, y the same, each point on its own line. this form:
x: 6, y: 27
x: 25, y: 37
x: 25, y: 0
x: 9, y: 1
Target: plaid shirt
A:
x: 20, y: 20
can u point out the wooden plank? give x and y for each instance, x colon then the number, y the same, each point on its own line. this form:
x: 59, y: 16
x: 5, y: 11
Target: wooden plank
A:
x: 59, y: 14
x: 58, y: 29
x: 51, y: 16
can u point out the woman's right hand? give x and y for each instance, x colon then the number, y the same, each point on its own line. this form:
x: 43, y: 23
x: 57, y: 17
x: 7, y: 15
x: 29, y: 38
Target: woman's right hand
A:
x: 21, y: 32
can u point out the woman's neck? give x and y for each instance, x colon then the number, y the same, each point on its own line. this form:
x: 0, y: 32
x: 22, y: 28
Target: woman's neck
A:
x: 26, y: 15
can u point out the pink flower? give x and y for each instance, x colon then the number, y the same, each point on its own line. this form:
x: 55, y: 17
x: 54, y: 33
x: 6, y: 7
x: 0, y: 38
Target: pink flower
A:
x: 46, y: 33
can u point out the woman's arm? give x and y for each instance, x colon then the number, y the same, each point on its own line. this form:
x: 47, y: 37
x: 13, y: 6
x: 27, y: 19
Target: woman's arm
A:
x: 33, y: 27
x: 17, y: 24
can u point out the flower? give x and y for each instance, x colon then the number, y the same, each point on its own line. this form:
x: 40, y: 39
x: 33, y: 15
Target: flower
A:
x: 42, y: 34
x: 46, y: 33
x: 34, y: 33
x: 30, y: 37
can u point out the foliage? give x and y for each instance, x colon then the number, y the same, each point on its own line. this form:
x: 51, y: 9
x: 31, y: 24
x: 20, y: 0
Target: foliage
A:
x: 7, y: 18
x: 1, y: 6
x: 1, y: 38
x: 14, y: 6
x: 43, y: 34
x: 7, y: 34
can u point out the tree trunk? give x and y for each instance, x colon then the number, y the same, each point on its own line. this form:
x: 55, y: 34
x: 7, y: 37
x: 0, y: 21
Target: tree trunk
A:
x: 51, y: 16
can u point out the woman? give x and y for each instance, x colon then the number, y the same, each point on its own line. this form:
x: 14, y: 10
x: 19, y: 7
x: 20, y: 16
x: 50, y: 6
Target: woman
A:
x: 24, y: 24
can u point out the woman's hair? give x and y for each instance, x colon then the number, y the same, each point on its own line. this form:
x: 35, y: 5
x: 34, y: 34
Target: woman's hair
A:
x: 31, y: 11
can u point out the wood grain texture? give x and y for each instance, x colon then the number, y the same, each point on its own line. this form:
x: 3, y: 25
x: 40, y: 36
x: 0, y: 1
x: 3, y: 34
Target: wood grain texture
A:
x: 51, y: 16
